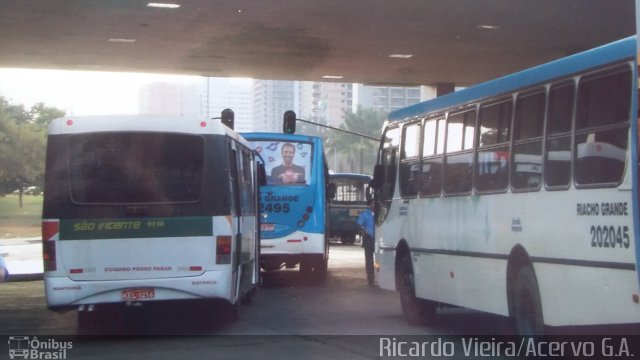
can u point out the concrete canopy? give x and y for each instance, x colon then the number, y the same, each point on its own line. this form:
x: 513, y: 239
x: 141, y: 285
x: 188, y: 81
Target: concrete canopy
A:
x: 452, y: 41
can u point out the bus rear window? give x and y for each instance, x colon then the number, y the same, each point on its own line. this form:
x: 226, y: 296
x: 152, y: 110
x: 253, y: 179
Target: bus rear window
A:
x: 125, y: 168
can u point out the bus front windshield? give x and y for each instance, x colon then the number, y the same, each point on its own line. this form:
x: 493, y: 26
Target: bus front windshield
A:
x: 286, y: 162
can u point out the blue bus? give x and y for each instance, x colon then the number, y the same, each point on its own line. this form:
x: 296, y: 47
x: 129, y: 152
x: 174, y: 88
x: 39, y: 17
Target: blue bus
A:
x: 518, y: 196
x: 349, y: 201
x: 293, y: 223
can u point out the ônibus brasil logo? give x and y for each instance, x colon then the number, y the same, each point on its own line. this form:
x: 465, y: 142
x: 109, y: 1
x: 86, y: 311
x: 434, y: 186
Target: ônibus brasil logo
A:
x: 28, y: 348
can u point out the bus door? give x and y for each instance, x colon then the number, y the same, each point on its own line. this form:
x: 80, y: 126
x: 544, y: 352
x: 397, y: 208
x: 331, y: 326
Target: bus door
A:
x: 385, y: 173
x: 243, y: 210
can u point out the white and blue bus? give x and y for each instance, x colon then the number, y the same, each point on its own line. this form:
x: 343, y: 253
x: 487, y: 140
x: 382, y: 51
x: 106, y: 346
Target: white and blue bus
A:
x: 148, y: 209
x: 518, y: 196
x: 350, y: 200
x: 293, y: 206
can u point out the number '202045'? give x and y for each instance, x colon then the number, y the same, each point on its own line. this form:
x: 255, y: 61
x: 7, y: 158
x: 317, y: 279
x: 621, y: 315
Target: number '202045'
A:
x: 610, y: 236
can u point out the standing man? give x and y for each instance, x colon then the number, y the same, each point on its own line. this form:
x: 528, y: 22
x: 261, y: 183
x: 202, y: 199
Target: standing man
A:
x: 288, y: 172
x: 365, y: 222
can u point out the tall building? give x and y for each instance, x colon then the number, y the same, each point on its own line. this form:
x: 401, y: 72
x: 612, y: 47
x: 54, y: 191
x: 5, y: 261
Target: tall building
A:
x: 389, y: 98
x: 271, y: 99
x: 171, y: 99
x: 231, y: 93
x: 326, y: 102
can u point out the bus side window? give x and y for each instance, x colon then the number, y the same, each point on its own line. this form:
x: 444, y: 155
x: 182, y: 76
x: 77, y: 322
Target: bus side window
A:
x: 557, y: 157
x: 526, y: 169
x: 410, y: 171
x: 431, y: 178
x: 604, y: 100
x: 458, y: 171
x: 493, y: 147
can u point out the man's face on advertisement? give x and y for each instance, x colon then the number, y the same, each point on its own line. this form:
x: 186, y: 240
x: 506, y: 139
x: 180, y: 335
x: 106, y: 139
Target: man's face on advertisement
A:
x: 288, y: 152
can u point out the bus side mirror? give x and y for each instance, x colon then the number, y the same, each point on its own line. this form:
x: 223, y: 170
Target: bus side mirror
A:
x: 227, y: 118
x: 378, y: 174
x: 289, y: 122
x: 331, y: 191
x: 262, y: 175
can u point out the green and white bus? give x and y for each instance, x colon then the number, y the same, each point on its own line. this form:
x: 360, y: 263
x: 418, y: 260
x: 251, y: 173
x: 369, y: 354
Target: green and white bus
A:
x: 148, y: 209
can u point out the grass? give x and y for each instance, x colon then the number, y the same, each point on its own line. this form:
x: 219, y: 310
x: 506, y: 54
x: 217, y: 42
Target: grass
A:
x: 16, y: 221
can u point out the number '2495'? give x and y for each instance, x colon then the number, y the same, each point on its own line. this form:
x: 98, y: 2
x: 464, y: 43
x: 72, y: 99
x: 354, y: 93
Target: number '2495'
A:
x: 275, y: 207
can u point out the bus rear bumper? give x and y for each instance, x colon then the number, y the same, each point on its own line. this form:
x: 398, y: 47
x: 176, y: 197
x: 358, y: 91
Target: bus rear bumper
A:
x: 65, y: 294
x: 290, y: 260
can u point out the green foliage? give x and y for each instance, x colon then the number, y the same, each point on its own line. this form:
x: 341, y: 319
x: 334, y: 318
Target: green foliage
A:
x: 352, y: 153
x: 16, y: 221
x: 23, y: 144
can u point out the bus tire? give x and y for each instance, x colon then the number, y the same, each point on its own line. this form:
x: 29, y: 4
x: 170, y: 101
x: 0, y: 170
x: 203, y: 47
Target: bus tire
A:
x: 416, y: 311
x: 527, y: 307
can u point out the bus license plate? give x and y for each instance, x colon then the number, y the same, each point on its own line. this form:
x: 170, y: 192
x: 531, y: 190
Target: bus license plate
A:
x: 355, y: 212
x: 138, y: 294
x: 267, y: 227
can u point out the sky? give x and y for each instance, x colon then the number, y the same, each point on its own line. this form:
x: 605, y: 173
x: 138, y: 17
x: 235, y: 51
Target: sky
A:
x: 81, y: 92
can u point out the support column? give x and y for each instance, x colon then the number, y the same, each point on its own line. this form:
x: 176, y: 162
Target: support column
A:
x: 444, y: 88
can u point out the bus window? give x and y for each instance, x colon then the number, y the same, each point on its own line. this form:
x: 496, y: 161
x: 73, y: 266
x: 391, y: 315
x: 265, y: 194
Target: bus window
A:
x: 431, y: 179
x: 410, y: 165
x: 604, y: 99
x: 458, y: 174
x: 460, y: 131
x: 557, y: 159
x: 493, y: 153
x: 458, y: 169
x: 135, y: 168
x: 526, y: 170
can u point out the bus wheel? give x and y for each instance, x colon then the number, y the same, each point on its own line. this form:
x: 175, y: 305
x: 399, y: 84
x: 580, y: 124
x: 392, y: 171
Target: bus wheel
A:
x: 527, y: 308
x: 416, y: 311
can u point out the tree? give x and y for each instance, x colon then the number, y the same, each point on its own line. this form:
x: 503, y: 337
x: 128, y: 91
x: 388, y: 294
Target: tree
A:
x: 22, y: 145
x: 353, y: 153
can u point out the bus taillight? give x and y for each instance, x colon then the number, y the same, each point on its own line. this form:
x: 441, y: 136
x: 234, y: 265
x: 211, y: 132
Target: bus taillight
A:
x: 223, y: 250
x: 50, y: 232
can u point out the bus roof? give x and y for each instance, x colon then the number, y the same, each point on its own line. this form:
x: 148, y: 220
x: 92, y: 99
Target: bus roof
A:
x: 108, y: 123
x: 278, y: 136
x: 616, y: 51
x: 349, y: 175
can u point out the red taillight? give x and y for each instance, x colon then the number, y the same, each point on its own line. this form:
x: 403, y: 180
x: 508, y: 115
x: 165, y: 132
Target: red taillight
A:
x: 49, y: 255
x: 50, y: 228
x: 223, y: 250
x: 50, y: 232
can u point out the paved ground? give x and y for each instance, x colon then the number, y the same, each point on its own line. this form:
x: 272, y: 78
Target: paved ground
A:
x: 23, y: 257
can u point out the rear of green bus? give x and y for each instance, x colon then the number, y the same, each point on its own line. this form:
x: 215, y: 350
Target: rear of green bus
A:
x: 138, y: 210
